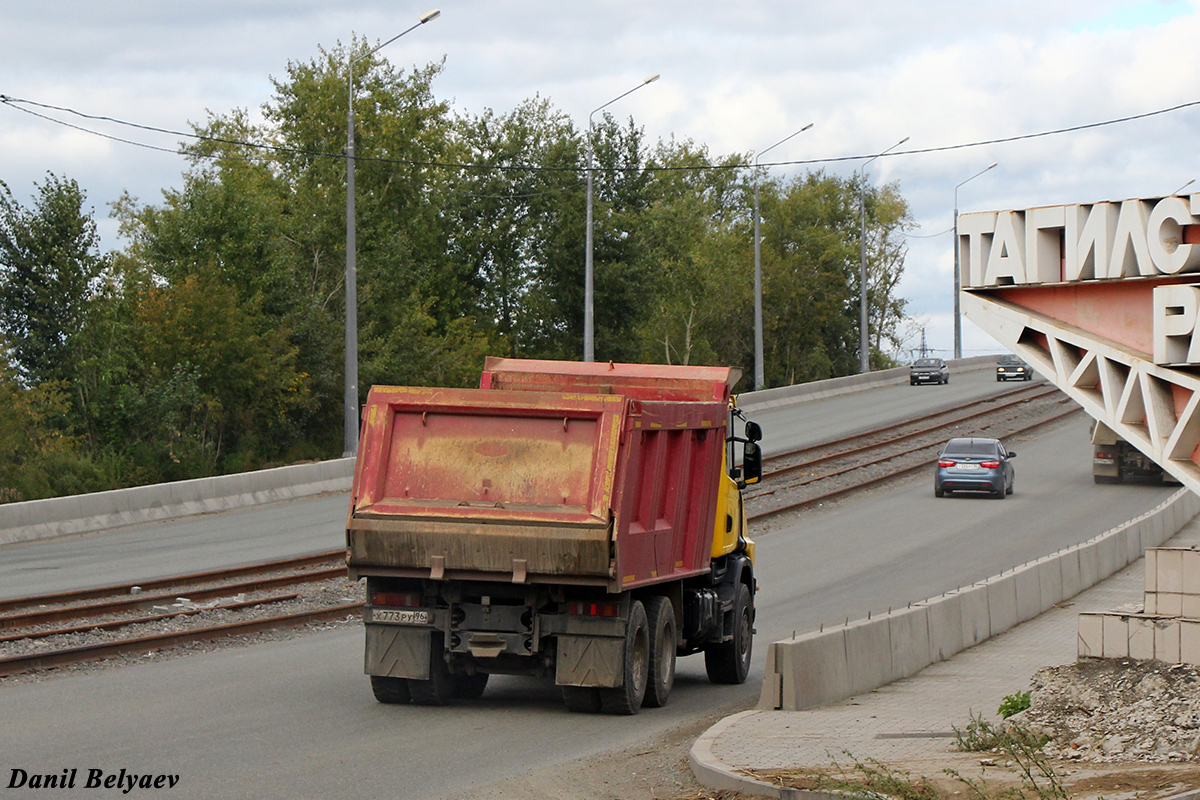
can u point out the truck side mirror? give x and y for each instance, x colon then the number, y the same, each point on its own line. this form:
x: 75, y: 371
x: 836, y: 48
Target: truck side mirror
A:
x: 753, y: 431
x: 752, y: 462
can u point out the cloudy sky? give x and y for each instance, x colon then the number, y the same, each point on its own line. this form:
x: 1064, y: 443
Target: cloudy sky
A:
x: 736, y: 76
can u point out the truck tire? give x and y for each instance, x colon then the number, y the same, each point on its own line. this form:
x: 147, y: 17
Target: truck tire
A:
x: 440, y: 687
x: 581, y: 699
x: 661, y: 617
x: 635, y: 667
x: 390, y: 690
x: 470, y: 687
x: 730, y: 662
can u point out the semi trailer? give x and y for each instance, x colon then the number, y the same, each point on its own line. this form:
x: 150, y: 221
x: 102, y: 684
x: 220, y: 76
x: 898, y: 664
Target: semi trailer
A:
x: 576, y: 521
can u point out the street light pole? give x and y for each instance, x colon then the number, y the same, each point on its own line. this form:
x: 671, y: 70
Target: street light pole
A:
x: 864, y: 343
x: 350, y: 439
x: 957, y: 273
x: 589, y: 322
x: 759, y: 371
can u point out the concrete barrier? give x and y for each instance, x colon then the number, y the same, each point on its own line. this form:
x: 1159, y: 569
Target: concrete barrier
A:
x: 976, y: 618
x: 56, y: 516
x: 908, y: 634
x: 833, y: 387
x: 1002, y: 602
x: 868, y: 654
x: 839, y: 662
x: 944, y: 615
x: 1028, y: 582
x: 1050, y: 577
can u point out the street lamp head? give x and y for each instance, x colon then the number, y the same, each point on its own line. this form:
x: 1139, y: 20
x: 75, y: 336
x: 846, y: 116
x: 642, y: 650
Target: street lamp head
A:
x: 429, y: 16
x: 993, y: 164
x: 651, y: 79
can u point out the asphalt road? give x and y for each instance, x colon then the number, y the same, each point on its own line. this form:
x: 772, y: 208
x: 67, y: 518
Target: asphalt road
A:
x: 296, y: 719
x: 816, y: 421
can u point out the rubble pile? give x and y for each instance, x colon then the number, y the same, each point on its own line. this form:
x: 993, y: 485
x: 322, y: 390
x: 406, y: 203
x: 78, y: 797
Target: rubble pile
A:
x: 1114, y: 710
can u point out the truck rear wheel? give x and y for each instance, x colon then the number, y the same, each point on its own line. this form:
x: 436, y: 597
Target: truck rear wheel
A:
x: 390, y: 690
x: 627, y: 698
x: 730, y: 662
x: 440, y: 687
x: 581, y: 699
x: 661, y: 617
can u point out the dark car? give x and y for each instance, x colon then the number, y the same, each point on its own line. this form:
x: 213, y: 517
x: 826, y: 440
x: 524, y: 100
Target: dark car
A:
x: 1013, y: 368
x: 928, y: 370
x: 974, y: 465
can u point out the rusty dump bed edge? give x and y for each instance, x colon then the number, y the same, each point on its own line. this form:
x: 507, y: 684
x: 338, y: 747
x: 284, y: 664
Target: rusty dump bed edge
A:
x: 656, y: 382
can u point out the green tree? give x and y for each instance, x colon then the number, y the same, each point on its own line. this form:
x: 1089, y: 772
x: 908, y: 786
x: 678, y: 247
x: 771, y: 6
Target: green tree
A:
x: 889, y: 219
x: 193, y: 381
x: 49, y: 258
x: 506, y: 214
x: 699, y: 308
x: 33, y: 436
x: 809, y: 255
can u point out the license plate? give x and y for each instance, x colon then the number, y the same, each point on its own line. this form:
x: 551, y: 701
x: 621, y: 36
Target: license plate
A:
x: 1103, y: 461
x: 968, y: 466
x: 400, y: 617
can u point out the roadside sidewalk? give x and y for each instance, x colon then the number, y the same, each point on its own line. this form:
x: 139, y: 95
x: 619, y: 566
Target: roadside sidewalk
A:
x: 909, y: 724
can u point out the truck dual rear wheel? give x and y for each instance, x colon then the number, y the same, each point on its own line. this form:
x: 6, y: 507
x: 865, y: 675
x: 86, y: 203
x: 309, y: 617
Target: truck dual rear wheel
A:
x: 730, y: 662
x: 627, y: 698
x: 441, y: 685
x: 661, y: 617
x: 390, y: 690
x: 581, y: 699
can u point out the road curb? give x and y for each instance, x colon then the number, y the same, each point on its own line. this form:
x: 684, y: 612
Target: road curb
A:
x: 713, y: 773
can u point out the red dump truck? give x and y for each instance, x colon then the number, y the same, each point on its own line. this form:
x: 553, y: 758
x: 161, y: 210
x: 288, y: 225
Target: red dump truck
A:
x: 581, y: 521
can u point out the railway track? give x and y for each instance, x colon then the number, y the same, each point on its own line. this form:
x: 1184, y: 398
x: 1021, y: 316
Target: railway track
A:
x: 72, y: 627
x: 824, y: 472
x: 61, y: 629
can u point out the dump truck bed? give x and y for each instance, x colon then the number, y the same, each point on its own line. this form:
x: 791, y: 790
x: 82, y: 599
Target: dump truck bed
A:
x: 536, y: 486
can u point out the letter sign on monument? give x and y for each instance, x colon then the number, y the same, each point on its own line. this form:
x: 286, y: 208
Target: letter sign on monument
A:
x: 1130, y: 239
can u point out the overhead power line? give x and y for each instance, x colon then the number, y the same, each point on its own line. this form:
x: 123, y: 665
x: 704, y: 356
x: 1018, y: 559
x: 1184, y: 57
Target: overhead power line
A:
x: 23, y: 105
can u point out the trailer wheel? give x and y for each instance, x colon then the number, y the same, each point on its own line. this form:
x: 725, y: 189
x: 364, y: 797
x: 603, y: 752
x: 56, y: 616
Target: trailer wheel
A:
x: 730, y: 663
x: 438, y: 690
x: 581, y: 699
x: 627, y: 698
x: 661, y: 617
x: 390, y: 690
x: 470, y: 687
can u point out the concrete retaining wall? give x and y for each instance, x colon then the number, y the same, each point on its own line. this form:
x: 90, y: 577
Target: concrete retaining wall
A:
x: 38, y: 519
x: 839, y: 662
